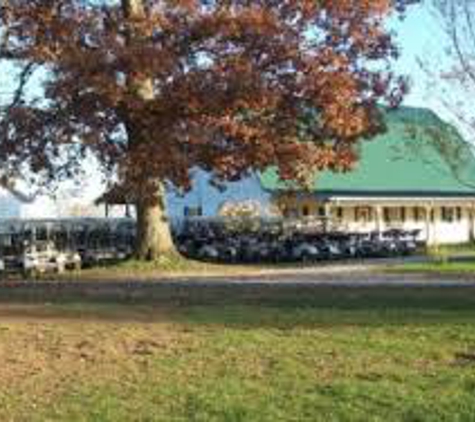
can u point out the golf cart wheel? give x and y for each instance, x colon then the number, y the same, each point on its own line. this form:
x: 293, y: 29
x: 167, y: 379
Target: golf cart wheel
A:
x: 307, y: 258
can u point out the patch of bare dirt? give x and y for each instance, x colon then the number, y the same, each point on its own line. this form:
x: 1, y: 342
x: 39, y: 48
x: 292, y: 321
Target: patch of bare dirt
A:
x: 45, y: 351
x: 84, y: 313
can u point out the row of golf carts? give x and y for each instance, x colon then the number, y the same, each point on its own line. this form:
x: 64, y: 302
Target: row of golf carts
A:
x: 38, y: 246
x: 279, y: 240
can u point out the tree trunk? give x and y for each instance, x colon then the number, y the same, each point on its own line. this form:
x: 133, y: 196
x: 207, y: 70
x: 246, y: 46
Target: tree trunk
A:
x: 154, y: 238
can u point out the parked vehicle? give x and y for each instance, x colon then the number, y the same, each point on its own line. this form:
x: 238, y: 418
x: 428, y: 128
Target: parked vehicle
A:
x: 62, y: 244
x: 11, y: 250
x: 58, y: 245
x: 42, y: 256
x: 304, y: 249
x: 102, y: 241
x: 279, y: 240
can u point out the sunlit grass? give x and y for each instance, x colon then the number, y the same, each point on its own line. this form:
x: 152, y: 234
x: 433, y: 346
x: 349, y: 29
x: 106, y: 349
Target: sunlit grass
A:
x: 448, y: 268
x: 348, y: 357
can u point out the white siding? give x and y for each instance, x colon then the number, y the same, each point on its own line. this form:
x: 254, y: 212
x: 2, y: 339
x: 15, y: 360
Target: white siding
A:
x: 440, y: 232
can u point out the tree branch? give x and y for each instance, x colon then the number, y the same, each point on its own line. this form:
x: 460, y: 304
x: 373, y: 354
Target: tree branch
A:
x: 469, y: 71
x: 8, y: 184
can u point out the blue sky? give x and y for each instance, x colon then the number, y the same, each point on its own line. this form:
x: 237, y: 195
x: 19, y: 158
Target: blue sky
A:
x: 421, y: 37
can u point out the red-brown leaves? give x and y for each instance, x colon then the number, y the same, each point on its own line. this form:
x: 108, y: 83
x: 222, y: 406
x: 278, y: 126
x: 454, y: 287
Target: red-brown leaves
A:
x: 231, y: 85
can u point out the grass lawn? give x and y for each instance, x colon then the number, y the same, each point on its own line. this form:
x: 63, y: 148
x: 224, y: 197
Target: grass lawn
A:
x: 351, y: 356
x: 447, y: 259
x: 462, y: 268
x: 459, y: 249
x: 171, y: 268
x: 167, y: 267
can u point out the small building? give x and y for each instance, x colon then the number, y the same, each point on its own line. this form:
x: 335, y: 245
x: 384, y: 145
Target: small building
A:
x: 117, y: 202
x: 420, y: 175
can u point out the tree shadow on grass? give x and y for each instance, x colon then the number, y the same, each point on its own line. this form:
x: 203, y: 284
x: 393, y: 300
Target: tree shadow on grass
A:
x: 279, y: 306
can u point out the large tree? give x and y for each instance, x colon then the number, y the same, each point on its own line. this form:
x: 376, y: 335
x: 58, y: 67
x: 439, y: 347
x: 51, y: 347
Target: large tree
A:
x: 156, y: 88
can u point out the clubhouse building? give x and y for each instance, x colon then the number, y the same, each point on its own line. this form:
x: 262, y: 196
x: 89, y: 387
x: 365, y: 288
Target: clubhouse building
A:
x: 419, y: 174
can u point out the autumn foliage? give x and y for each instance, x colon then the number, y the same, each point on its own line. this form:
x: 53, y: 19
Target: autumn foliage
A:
x: 156, y: 88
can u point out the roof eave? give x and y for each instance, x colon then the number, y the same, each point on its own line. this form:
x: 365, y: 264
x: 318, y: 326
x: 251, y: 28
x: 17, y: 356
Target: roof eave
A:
x: 326, y: 194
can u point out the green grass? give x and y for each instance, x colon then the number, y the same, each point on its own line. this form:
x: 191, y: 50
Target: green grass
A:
x: 167, y: 264
x: 354, y: 356
x: 450, y: 268
x: 171, y: 267
x: 461, y: 249
x: 165, y: 267
x: 442, y: 260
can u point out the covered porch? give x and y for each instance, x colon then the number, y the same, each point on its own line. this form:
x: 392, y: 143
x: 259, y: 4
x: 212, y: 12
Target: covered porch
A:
x: 440, y: 220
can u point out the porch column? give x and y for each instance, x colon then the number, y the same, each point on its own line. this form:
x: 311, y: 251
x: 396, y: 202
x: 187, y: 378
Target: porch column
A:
x: 428, y: 212
x: 379, y: 218
x: 327, y: 222
x: 471, y: 223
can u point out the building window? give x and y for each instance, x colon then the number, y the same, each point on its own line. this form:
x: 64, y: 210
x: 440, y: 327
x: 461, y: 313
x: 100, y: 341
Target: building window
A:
x: 339, y: 213
x: 305, y: 211
x: 321, y: 212
x: 193, y: 211
x: 363, y: 214
x: 459, y: 213
x: 417, y: 214
x: 448, y: 214
x: 420, y: 214
x: 395, y: 214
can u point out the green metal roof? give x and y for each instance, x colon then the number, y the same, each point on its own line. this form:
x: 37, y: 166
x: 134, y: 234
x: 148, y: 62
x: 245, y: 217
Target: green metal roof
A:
x: 419, y: 155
